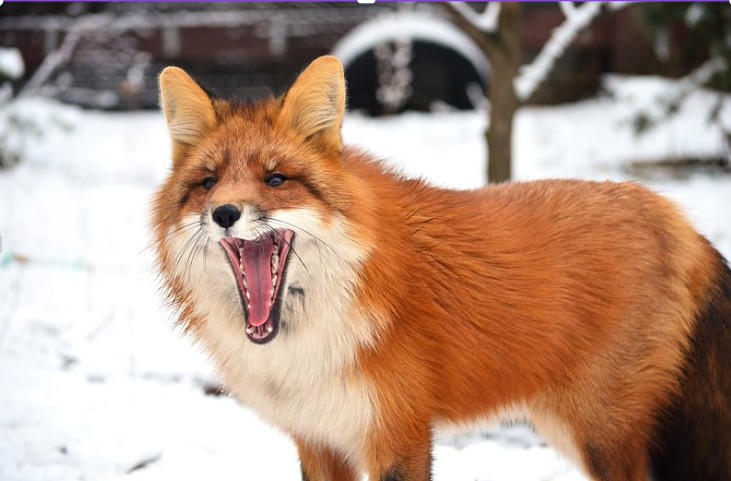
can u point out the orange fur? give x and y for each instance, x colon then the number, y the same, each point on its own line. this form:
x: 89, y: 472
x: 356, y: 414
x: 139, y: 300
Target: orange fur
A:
x: 573, y: 302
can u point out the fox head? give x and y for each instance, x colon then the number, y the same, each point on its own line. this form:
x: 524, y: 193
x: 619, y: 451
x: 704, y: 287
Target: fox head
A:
x: 255, y: 223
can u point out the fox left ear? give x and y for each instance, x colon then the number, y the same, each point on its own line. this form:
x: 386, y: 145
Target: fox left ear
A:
x: 315, y: 105
x: 189, y: 111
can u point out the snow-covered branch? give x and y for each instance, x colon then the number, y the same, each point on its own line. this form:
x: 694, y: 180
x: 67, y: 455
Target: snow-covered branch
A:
x: 614, y: 6
x: 577, y: 19
x: 694, y: 81
x: 703, y: 74
x: 485, y: 21
x: 568, y: 8
x: 665, y: 104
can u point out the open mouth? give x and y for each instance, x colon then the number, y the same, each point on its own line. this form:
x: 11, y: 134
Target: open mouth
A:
x: 259, y: 267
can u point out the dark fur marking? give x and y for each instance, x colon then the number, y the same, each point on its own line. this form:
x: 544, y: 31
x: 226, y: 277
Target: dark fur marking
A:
x: 607, y: 465
x: 694, y: 442
x: 596, y: 461
x: 392, y: 475
x: 313, y: 190
x: 296, y: 291
x: 184, y: 199
x: 416, y: 466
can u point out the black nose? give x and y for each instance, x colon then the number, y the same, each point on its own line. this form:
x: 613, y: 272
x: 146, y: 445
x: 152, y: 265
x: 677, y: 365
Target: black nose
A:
x: 226, y: 215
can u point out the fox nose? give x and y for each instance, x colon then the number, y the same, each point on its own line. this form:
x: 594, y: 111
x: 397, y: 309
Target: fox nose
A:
x: 226, y: 215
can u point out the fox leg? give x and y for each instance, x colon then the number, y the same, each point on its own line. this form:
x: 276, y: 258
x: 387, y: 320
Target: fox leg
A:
x: 412, y: 462
x: 621, y: 464
x: 320, y: 463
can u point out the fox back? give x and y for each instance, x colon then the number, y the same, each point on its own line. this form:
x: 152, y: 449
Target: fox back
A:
x: 359, y: 310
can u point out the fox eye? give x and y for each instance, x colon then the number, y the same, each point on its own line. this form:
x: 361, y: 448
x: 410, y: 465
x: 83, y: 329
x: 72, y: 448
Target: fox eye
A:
x: 275, y: 180
x: 208, y: 183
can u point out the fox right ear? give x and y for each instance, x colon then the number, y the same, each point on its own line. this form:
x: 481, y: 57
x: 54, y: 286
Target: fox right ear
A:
x: 315, y: 105
x: 189, y: 111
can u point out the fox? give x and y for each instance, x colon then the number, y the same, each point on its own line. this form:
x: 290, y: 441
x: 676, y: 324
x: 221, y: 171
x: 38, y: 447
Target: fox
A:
x: 361, y: 311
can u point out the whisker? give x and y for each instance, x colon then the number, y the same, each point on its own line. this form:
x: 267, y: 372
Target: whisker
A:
x: 190, y: 242
x: 291, y: 249
x: 319, y: 240
x: 183, y: 227
x: 194, y: 250
x: 191, y: 256
x: 205, y: 256
x: 296, y: 227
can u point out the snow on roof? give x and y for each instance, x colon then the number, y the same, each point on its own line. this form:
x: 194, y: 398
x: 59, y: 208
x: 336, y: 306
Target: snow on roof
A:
x: 414, y: 25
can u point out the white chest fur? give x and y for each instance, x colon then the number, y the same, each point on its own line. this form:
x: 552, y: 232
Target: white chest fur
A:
x: 297, y: 383
x: 304, y: 380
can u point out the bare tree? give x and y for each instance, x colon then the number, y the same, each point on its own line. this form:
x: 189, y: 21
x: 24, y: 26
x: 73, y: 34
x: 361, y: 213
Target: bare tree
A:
x: 496, y: 30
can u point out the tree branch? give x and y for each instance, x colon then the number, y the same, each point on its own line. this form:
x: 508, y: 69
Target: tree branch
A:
x: 568, y: 8
x: 703, y: 74
x: 62, y: 54
x: 486, y: 22
x: 486, y: 41
x: 577, y: 19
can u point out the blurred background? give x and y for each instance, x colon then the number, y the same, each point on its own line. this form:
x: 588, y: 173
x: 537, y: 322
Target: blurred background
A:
x: 111, y: 52
x: 96, y: 383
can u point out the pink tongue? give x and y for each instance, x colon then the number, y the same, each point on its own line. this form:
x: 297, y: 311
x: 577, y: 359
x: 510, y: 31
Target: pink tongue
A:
x: 257, y: 262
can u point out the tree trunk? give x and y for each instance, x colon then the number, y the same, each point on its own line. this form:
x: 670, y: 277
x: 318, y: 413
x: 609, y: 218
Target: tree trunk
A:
x: 505, y: 60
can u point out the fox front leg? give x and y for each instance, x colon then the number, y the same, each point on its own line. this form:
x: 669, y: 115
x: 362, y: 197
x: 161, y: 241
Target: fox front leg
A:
x: 413, y: 462
x: 321, y: 463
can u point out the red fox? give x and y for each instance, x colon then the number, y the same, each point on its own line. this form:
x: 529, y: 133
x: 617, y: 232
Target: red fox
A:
x: 360, y: 311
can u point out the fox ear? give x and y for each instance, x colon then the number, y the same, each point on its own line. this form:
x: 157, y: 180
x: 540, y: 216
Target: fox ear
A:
x: 315, y: 105
x: 189, y: 111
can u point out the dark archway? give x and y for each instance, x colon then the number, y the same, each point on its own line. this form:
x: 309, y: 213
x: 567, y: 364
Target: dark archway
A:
x: 440, y: 75
x: 446, y: 69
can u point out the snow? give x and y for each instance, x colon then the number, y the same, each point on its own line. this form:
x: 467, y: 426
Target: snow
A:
x: 414, y: 25
x: 11, y: 63
x: 96, y: 382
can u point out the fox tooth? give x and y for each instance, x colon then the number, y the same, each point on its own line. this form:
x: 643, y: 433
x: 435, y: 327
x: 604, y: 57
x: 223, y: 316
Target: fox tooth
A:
x: 270, y: 328
x: 248, y: 295
x: 275, y: 262
x: 250, y: 330
x: 274, y: 281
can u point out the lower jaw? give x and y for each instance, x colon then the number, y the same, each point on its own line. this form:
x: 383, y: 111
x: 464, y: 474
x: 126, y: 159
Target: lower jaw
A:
x: 262, y: 334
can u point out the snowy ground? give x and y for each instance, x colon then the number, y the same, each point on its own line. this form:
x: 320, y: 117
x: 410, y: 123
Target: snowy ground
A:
x: 94, y: 383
